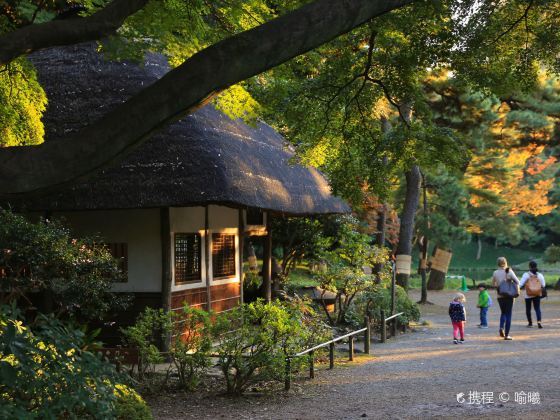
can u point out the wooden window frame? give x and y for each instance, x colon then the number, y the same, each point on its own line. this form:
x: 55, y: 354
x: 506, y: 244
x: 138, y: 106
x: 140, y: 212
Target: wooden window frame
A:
x: 198, y: 274
x: 227, y: 275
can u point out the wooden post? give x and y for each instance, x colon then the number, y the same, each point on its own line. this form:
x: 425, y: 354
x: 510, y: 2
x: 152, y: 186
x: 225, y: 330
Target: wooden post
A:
x: 288, y: 374
x: 367, y: 337
x: 383, y: 327
x: 351, y: 348
x: 393, y: 289
x: 207, y: 245
x: 311, y: 365
x: 267, y: 262
x: 394, y: 328
x: 166, y: 273
x: 241, y: 233
x: 331, y: 356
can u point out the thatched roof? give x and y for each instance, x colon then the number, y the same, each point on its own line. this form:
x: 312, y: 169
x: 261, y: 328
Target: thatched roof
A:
x: 206, y: 158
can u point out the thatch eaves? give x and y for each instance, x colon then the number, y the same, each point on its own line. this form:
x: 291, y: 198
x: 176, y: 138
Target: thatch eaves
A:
x: 205, y: 158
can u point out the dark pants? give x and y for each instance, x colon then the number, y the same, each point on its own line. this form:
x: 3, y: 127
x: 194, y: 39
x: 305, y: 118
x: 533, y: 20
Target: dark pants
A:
x: 536, y: 304
x: 506, y: 307
x: 484, y: 316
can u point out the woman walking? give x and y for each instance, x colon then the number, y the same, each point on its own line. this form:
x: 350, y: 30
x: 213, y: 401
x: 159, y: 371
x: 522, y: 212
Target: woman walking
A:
x: 507, y: 285
x: 534, y: 284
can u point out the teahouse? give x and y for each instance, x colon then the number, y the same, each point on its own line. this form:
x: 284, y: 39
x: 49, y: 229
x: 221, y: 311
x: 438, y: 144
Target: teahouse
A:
x: 176, y: 209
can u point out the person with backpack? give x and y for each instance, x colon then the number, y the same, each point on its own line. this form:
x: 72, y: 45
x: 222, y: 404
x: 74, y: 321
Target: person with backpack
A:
x: 507, y: 285
x: 484, y: 302
x: 534, y: 284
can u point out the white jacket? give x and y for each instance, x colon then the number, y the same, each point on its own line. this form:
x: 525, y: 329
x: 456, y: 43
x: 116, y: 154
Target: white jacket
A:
x: 524, y: 279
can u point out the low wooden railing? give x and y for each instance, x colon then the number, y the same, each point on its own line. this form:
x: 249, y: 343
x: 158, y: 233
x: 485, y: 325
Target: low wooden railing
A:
x: 350, y: 336
x: 310, y: 351
x: 384, y: 325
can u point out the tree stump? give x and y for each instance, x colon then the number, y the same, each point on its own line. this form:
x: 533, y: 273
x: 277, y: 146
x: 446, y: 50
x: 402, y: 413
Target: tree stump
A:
x: 436, y: 280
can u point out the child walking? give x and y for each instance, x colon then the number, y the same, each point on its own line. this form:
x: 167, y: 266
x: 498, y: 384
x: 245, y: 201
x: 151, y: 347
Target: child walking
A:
x: 458, y: 317
x: 484, y: 302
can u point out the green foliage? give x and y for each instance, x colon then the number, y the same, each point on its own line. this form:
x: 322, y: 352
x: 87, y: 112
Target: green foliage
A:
x: 253, y: 340
x: 46, y: 373
x: 44, y: 256
x: 129, y: 405
x: 345, y: 276
x: 189, y: 331
x: 147, y: 333
x: 378, y: 298
x: 22, y: 102
x: 190, y: 345
x: 552, y: 254
x: 298, y: 238
x: 447, y: 209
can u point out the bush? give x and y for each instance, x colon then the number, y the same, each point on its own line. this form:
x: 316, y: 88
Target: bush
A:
x: 345, y: 275
x: 552, y: 254
x: 43, y: 256
x: 190, y: 345
x: 378, y: 298
x: 189, y: 330
x: 46, y: 373
x: 253, y: 340
x: 146, y: 335
x: 129, y: 405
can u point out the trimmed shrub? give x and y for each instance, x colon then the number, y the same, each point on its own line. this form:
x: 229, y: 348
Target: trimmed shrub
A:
x: 253, y: 341
x: 129, y: 405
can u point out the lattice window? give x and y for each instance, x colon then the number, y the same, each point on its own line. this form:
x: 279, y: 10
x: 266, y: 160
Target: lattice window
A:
x: 223, y: 255
x: 187, y: 258
x: 119, y: 251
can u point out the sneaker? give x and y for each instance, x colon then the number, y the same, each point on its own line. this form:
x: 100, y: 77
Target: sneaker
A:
x: 539, y: 325
x: 461, y: 341
x: 529, y: 325
x: 508, y: 338
x: 502, y: 334
x: 484, y: 327
x: 455, y: 341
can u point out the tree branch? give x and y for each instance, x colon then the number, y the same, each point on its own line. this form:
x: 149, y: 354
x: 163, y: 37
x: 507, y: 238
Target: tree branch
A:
x: 66, y: 32
x: 29, y: 169
x: 514, y: 24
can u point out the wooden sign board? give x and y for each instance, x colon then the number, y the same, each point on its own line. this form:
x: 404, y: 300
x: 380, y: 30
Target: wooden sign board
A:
x: 440, y: 261
x: 403, y: 263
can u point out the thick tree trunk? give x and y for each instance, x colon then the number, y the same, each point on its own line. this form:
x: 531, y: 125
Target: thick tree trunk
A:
x: 28, y: 169
x: 440, y: 265
x: 437, y: 280
x: 406, y: 231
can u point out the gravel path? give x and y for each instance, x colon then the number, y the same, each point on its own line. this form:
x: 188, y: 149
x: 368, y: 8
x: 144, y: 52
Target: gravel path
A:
x: 417, y: 375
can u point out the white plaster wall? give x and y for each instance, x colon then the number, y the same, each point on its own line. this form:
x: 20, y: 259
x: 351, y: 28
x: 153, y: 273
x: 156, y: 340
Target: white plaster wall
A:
x: 221, y: 217
x: 140, y: 229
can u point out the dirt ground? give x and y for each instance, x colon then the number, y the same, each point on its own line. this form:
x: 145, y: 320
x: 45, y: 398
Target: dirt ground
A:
x: 417, y: 375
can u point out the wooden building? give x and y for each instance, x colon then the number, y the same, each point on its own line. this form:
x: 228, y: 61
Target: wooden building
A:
x: 177, y: 208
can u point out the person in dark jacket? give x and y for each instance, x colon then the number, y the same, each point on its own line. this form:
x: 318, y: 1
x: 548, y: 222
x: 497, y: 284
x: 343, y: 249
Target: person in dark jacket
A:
x: 458, y: 317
